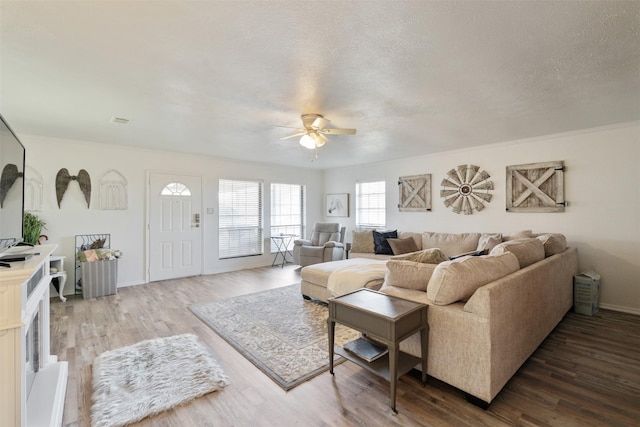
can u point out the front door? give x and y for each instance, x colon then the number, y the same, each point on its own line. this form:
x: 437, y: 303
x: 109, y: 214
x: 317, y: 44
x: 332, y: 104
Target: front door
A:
x: 175, y: 237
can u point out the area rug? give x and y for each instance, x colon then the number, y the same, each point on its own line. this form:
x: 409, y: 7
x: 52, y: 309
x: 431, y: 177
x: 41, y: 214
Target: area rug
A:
x: 278, y: 331
x: 132, y: 383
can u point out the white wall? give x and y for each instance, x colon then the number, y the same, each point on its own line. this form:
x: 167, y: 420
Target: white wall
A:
x: 601, y: 185
x: 127, y: 227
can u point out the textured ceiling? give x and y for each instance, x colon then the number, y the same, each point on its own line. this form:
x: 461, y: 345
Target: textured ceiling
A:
x: 212, y: 77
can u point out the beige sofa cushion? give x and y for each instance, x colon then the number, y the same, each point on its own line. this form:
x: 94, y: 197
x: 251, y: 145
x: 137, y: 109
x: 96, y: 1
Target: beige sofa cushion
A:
x: 458, y: 279
x: 408, y: 274
x: 528, y: 251
x: 428, y: 256
x: 553, y: 243
x: 403, y: 246
x: 362, y: 241
x: 523, y: 234
x: 451, y: 243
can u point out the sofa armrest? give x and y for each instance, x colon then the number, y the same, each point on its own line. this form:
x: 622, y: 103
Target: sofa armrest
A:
x: 333, y: 244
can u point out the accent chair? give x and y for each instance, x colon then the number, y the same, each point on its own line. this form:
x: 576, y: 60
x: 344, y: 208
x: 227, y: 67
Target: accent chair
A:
x: 326, y: 244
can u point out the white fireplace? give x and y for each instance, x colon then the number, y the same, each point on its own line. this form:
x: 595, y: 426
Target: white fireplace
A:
x: 34, y: 381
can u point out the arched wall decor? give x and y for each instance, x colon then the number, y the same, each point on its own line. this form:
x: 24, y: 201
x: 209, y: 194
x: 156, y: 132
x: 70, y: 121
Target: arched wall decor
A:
x: 33, y: 190
x: 113, y: 191
x: 466, y: 188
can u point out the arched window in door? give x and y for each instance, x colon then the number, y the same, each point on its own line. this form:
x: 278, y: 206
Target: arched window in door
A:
x: 176, y: 189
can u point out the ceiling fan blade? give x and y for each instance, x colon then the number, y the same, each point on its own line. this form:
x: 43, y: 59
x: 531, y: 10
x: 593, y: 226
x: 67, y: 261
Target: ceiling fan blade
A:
x: 332, y: 131
x: 294, y: 135
x: 289, y: 127
x: 320, y: 123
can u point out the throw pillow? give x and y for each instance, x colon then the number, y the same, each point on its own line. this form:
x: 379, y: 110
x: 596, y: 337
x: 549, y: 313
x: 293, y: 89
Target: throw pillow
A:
x: 488, y: 241
x: 362, y: 242
x: 427, y: 256
x: 553, y: 243
x: 528, y: 251
x: 380, y: 240
x: 458, y: 279
x: 408, y: 274
x: 403, y: 246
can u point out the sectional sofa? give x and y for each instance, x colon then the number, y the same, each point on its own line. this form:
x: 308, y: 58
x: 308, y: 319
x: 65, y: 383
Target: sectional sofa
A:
x: 488, y: 310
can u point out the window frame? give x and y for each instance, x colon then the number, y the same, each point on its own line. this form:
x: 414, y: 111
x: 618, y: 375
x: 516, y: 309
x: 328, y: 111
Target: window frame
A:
x: 245, y: 219
x: 375, y: 198
x: 297, y: 229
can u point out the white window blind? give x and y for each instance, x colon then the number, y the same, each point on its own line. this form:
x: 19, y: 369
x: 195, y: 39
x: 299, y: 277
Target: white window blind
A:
x: 287, y: 211
x: 370, y: 205
x: 240, y: 219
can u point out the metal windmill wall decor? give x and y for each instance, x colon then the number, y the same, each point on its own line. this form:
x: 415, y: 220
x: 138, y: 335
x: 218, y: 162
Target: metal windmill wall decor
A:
x: 466, y: 188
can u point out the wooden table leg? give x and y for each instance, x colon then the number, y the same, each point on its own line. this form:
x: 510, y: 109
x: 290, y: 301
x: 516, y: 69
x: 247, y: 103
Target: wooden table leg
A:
x: 424, y: 340
x: 394, y: 353
x: 332, y: 330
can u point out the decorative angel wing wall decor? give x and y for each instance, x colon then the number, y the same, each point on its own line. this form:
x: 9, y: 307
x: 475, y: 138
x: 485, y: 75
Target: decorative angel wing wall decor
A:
x: 62, y: 182
x: 10, y: 174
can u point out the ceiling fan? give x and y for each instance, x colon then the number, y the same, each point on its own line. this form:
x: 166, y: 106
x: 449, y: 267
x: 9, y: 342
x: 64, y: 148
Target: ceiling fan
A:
x: 313, y: 133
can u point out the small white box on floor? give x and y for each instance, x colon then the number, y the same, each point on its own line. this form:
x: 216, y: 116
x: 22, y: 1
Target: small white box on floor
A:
x: 99, y: 278
x: 586, y: 289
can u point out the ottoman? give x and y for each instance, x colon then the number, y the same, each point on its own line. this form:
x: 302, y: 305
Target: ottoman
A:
x: 315, y: 277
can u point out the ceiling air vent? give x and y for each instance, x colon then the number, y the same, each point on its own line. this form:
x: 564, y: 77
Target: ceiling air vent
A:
x: 120, y: 120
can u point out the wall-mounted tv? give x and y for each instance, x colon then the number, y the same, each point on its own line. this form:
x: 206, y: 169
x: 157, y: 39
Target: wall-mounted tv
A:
x: 12, y: 161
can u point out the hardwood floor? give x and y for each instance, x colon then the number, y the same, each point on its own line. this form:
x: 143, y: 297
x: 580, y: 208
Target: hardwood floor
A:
x: 587, y: 372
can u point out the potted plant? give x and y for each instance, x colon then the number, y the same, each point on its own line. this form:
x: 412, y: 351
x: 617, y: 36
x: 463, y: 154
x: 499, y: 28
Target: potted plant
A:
x: 32, y: 228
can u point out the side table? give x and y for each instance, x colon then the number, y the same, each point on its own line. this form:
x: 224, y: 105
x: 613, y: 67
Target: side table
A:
x: 282, y: 242
x: 386, y: 319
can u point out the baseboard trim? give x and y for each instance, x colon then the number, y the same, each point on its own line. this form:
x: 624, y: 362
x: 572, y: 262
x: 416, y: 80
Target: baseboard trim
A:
x: 620, y: 308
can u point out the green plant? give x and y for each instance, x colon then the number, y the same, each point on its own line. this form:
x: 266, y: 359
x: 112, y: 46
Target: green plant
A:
x: 32, y: 228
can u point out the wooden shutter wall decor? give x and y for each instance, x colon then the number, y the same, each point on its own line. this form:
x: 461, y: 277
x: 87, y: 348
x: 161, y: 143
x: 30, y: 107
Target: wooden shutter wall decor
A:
x: 536, y: 187
x: 414, y: 193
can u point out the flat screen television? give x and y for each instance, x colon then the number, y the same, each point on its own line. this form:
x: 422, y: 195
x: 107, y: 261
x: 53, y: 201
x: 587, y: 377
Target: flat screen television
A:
x: 12, y: 161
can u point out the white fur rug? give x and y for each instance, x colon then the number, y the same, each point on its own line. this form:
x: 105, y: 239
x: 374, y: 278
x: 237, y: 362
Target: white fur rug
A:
x: 134, y: 382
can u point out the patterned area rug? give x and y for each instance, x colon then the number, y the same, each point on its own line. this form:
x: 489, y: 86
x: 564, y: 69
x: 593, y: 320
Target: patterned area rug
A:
x: 278, y: 331
x: 132, y: 383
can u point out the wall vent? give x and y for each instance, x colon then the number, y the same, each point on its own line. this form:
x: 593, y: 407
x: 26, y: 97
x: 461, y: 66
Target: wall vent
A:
x: 120, y: 120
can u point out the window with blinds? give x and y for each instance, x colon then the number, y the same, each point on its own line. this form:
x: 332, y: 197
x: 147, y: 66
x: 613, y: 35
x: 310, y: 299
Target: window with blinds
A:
x: 287, y: 211
x: 240, y: 220
x: 370, y: 205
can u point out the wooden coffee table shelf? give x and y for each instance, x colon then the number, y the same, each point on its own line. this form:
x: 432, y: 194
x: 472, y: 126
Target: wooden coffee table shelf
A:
x: 385, y: 319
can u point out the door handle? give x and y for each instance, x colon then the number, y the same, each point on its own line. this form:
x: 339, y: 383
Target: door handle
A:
x: 196, y: 220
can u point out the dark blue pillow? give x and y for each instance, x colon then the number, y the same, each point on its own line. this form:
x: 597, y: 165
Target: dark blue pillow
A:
x: 382, y: 247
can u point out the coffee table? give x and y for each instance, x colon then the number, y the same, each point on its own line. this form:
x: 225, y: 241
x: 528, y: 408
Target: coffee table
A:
x: 387, y: 320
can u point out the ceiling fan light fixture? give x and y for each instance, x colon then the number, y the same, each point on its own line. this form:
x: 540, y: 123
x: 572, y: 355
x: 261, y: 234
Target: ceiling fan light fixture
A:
x: 307, y: 141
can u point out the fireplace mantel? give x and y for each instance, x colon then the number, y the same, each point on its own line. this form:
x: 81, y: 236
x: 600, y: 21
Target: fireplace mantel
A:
x: 18, y: 306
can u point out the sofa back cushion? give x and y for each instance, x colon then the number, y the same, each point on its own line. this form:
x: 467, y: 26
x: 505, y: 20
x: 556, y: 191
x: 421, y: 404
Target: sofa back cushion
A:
x: 408, y: 274
x: 451, y: 243
x: 458, y: 279
x: 528, y: 251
